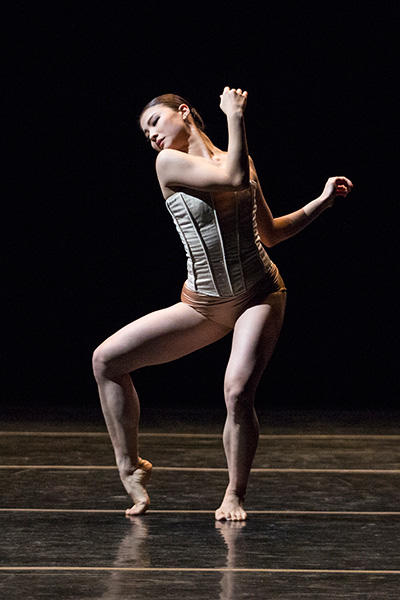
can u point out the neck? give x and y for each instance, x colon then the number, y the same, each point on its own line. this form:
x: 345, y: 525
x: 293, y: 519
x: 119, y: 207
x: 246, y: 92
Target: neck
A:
x: 200, y: 144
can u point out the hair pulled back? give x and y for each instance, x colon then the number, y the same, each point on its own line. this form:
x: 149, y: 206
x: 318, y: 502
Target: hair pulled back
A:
x: 174, y: 101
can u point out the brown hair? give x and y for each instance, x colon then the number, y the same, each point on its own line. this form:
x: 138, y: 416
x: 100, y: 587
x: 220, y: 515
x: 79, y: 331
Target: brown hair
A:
x: 174, y: 101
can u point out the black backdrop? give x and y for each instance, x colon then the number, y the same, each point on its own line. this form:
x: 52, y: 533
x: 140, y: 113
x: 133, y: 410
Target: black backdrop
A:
x: 90, y: 246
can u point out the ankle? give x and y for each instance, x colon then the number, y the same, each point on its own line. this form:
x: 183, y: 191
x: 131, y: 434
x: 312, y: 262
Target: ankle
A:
x: 237, y: 493
x: 126, y: 466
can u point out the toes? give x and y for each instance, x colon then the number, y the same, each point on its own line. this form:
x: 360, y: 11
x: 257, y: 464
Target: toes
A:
x: 131, y: 511
x: 234, y: 515
x: 237, y: 515
x: 220, y: 515
x: 230, y: 511
x: 137, y: 509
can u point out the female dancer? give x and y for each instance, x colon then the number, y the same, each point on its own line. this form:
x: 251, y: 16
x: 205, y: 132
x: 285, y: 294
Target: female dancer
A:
x: 218, y: 207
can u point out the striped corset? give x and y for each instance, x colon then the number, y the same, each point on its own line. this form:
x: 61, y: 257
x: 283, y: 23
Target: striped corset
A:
x: 224, y: 253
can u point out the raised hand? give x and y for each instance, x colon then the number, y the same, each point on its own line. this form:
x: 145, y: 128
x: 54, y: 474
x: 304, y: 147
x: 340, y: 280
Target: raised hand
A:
x: 336, y: 186
x: 233, y: 101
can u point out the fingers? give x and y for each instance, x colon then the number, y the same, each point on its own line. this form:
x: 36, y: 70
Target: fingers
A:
x: 343, y: 185
x: 237, y: 91
x: 233, y: 100
x: 344, y: 181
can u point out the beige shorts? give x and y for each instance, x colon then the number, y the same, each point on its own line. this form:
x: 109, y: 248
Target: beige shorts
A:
x: 225, y: 311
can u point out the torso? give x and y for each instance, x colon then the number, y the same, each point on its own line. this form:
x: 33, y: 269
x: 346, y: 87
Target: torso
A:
x: 224, y: 253
x: 218, y: 230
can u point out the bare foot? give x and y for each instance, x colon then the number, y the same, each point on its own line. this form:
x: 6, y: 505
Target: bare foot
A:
x: 231, y: 508
x: 135, y: 486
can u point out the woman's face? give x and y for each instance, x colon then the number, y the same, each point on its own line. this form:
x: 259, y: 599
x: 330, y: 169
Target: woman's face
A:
x: 165, y: 127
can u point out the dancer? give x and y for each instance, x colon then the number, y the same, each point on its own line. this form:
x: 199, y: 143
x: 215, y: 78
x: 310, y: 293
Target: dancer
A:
x: 224, y: 222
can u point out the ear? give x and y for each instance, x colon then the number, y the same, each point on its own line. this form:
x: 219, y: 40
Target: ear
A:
x: 184, y: 110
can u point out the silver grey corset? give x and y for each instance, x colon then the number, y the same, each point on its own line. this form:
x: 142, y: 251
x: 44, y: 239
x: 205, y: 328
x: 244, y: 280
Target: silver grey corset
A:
x: 224, y: 253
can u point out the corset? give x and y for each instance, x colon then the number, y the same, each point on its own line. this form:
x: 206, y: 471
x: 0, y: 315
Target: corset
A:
x: 225, y: 256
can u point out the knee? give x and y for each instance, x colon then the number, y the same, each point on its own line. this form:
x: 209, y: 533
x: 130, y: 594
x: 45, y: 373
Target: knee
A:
x: 101, y: 364
x: 239, y: 396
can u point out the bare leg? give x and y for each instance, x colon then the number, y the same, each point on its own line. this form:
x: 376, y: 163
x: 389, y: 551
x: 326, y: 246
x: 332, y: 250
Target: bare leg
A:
x: 121, y: 410
x: 159, y: 337
x: 254, y: 339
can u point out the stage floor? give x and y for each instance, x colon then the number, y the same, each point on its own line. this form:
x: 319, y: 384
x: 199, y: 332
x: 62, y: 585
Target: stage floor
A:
x: 323, y: 507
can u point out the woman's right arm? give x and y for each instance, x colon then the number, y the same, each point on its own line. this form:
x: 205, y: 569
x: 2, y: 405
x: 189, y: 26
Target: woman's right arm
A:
x: 175, y: 168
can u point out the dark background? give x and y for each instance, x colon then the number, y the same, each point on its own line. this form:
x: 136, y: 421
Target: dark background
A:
x: 90, y: 245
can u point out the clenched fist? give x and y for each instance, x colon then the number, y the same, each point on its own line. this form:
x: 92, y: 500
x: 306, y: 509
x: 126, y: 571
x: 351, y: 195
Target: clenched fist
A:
x: 233, y: 101
x: 337, y: 186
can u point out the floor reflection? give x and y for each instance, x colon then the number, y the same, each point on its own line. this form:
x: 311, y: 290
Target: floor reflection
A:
x: 132, y: 552
x: 230, y: 531
x: 135, y: 550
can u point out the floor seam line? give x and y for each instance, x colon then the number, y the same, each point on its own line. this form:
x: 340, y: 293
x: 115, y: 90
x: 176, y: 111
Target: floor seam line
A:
x: 311, y: 436
x: 203, y: 569
x: 208, y: 469
x: 282, y: 512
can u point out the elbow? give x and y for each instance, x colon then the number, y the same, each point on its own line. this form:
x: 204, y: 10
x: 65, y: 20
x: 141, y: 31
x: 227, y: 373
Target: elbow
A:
x: 242, y: 185
x: 234, y: 185
x: 270, y: 240
x: 239, y: 180
x: 239, y: 184
x: 269, y: 243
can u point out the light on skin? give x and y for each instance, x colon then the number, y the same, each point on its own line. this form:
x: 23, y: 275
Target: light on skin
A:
x: 168, y: 334
x: 165, y: 127
x: 191, y: 160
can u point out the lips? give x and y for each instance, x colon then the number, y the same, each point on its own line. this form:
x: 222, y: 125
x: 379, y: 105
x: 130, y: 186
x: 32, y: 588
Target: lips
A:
x: 160, y: 143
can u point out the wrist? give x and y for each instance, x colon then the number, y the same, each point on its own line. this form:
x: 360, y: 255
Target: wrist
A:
x: 327, y: 200
x: 316, y: 206
x: 235, y: 115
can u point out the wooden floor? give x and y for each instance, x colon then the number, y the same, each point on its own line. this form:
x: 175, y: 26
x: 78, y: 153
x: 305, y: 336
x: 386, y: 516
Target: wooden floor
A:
x: 323, y: 504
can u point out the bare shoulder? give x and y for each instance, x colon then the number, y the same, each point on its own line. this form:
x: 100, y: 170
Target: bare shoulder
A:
x: 169, y: 163
x: 168, y: 157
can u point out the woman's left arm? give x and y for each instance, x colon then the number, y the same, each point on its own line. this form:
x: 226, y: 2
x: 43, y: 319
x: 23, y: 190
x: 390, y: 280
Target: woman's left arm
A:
x: 274, y: 230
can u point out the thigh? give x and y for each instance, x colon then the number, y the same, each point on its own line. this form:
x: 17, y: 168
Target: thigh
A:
x: 159, y: 337
x: 254, y: 338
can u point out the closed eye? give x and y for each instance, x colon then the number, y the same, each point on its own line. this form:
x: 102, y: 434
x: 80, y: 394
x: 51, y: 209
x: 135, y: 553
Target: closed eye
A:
x: 146, y: 133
